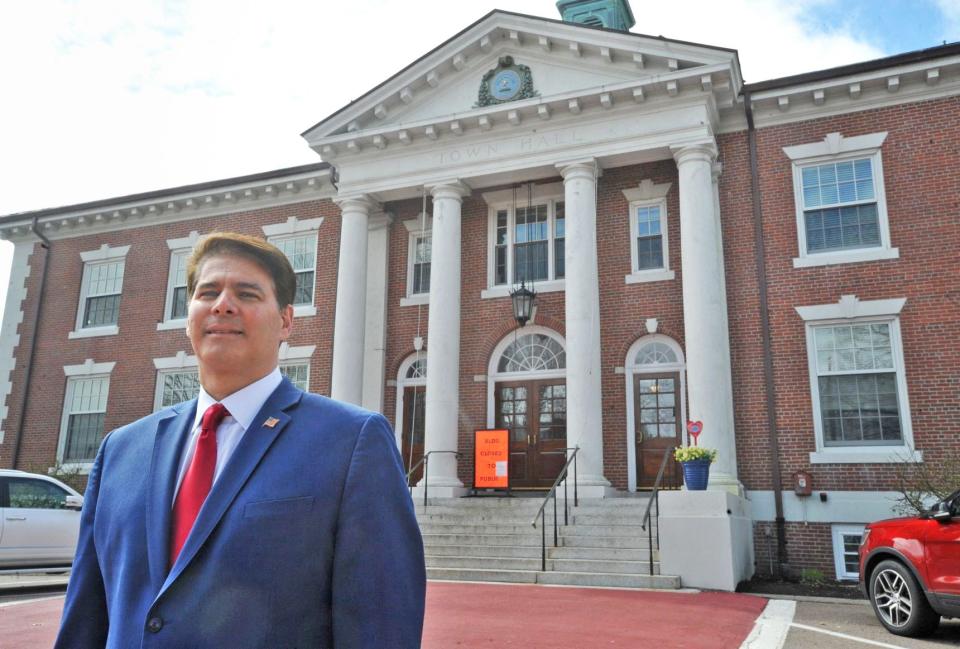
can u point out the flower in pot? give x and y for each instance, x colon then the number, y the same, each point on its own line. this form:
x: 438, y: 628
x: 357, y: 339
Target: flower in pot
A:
x: 695, y: 461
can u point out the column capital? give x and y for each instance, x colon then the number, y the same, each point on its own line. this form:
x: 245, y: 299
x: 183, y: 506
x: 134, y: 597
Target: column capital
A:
x: 453, y: 188
x: 585, y: 168
x: 715, y: 171
x: 356, y: 203
x: 703, y: 151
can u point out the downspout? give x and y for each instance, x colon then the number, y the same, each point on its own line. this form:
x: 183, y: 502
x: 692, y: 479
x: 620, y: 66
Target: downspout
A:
x: 765, y: 334
x: 25, y: 399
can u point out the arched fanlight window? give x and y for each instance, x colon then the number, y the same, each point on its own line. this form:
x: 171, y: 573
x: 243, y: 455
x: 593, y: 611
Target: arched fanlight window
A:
x: 417, y: 369
x: 656, y: 353
x: 532, y: 353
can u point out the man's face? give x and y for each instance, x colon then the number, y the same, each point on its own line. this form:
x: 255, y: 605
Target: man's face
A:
x: 234, y: 322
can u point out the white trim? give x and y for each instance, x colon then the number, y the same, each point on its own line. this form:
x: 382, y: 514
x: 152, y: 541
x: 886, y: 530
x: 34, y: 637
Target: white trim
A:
x: 188, y: 241
x: 839, y: 506
x: 169, y: 325
x: 162, y: 372
x: 288, y: 353
x: 89, y: 368
x: 401, y: 384
x: 550, y: 286
x: 851, y: 310
x: 835, y: 144
x: 104, y: 253
x: 172, y: 285
x: 836, y: 533
x: 20, y: 270
x: 648, y: 274
x: 414, y: 300
x: 414, y: 226
x: 180, y: 361
x: 292, y: 225
x: 420, y: 227
x: 493, y: 375
x: 94, y: 332
x: 304, y: 310
x: 541, y: 193
x: 836, y: 148
x: 631, y: 369
x: 849, y: 307
x: 300, y: 310
x: 647, y: 190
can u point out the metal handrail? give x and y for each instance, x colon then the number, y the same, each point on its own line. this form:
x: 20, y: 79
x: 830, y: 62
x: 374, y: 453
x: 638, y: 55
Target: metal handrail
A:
x: 426, y: 472
x: 654, y: 496
x: 562, y: 476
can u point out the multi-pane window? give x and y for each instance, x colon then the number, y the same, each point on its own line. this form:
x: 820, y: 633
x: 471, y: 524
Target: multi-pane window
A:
x: 840, y: 206
x: 301, y: 250
x: 298, y: 373
x: 649, y: 237
x: 529, y: 243
x: 422, y: 252
x: 86, y: 408
x: 103, y: 282
x: 846, y: 550
x: 177, y: 387
x: 656, y: 404
x: 857, y: 385
x: 179, y: 299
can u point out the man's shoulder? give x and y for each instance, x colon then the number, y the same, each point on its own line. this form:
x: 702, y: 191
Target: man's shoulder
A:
x: 342, y: 415
x: 151, y: 422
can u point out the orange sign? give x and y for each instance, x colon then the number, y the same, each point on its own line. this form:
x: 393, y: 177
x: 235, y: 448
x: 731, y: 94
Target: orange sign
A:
x: 491, y: 459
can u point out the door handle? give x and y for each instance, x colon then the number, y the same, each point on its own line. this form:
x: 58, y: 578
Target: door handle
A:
x: 16, y: 518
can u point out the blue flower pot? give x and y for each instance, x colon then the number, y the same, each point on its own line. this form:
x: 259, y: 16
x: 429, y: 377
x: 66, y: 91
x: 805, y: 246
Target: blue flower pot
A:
x: 696, y: 473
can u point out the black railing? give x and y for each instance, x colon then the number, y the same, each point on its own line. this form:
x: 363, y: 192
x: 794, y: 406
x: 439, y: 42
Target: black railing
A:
x: 562, y: 477
x: 425, y: 461
x: 654, y: 498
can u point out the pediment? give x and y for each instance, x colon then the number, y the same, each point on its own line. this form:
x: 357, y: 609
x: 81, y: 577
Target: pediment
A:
x: 566, y: 62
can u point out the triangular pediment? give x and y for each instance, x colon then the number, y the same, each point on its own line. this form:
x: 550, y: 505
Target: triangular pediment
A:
x: 565, y: 61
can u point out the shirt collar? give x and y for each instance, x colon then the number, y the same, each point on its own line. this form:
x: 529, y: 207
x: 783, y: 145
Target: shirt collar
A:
x: 244, y: 404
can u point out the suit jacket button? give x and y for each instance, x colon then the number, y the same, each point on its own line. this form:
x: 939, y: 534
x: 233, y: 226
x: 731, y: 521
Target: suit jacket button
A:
x: 154, y: 625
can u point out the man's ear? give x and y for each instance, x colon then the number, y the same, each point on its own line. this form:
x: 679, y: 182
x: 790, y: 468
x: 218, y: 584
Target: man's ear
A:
x: 286, y: 318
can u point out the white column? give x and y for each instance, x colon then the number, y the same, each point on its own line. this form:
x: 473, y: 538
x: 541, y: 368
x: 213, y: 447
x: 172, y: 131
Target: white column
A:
x: 584, y: 402
x: 349, y: 327
x: 442, y: 410
x: 709, y: 383
x: 375, y: 335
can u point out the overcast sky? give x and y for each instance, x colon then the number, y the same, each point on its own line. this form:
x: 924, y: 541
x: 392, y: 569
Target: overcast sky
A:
x: 109, y: 97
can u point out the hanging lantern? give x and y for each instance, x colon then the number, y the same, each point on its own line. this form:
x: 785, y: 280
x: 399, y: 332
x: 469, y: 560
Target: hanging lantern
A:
x: 523, y: 301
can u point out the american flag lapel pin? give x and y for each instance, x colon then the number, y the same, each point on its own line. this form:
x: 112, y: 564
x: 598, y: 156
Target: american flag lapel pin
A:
x: 271, y: 422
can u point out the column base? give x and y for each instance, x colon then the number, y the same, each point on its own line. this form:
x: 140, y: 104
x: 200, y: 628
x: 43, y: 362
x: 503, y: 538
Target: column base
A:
x: 725, y: 482
x: 592, y: 486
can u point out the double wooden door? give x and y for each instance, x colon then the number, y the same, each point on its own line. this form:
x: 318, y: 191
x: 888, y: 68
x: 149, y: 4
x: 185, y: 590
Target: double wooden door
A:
x: 535, y: 412
x: 414, y: 409
x: 656, y: 416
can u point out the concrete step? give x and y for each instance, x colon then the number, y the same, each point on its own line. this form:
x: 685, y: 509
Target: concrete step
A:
x: 507, y: 551
x: 616, y: 554
x: 534, y: 563
x: 604, y: 530
x: 491, y: 528
x: 482, y: 539
x: 555, y: 578
x: 573, y: 541
x: 473, y: 574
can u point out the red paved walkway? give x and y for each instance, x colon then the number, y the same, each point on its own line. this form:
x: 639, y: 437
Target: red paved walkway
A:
x: 480, y: 616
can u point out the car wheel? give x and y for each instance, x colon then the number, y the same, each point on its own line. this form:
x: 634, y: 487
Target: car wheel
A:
x: 899, y: 601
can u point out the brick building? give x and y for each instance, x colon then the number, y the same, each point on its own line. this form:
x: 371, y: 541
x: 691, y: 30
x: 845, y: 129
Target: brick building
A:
x: 778, y: 260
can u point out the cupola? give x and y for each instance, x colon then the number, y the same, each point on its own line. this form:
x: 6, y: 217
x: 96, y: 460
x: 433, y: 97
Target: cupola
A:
x: 612, y: 14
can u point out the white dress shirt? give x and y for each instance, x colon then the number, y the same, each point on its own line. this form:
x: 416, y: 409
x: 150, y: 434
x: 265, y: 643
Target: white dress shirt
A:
x: 243, y: 405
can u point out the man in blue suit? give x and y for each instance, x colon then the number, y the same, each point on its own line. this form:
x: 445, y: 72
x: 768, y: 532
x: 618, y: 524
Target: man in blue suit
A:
x: 256, y: 516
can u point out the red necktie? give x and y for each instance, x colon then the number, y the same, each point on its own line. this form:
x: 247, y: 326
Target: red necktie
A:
x: 197, y: 480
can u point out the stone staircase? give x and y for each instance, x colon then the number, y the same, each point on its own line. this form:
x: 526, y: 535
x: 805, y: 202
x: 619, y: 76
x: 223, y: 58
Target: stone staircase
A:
x: 491, y: 539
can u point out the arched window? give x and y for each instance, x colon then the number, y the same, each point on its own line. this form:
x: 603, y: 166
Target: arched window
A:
x: 534, y: 352
x: 417, y: 369
x: 656, y: 352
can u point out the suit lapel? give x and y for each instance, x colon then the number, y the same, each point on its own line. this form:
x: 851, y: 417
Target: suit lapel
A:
x: 172, y: 433
x: 266, y: 426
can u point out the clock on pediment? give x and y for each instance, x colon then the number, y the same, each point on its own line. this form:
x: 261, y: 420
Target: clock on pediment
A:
x: 509, y: 81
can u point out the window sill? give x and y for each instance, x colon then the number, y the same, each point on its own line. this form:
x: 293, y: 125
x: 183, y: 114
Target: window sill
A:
x: 846, y: 257
x: 414, y: 300
x: 550, y: 286
x: 93, y: 332
x: 643, y: 276
x: 873, y: 455
x: 304, y: 310
x: 168, y: 325
x: 80, y: 468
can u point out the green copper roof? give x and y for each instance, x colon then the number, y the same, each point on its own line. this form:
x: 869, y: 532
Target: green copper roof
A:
x: 612, y: 14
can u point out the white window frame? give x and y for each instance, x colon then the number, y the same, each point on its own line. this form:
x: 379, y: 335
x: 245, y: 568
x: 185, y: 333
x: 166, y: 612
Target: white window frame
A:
x: 105, y: 254
x: 86, y: 370
x: 402, y: 384
x: 837, y: 532
x: 836, y: 148
x: 503, y: 199
x: 300, y: 355
x: 850, y: 310
x: 182, y: 362
x: 494, y: 374
x: 182, y: 246
x: 292, y: 228
x: 422, y: 226
x: 648, y: 194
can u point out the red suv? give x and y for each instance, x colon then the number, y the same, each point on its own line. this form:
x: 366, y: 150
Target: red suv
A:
x: 910, y: 568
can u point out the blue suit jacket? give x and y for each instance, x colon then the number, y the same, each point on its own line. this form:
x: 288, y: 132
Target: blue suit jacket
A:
x: 307, y: 539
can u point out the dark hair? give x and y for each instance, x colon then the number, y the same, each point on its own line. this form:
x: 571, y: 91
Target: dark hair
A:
x: 264, y: 254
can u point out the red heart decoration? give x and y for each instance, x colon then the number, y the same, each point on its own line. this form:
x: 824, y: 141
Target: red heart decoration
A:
x: 694, y: 428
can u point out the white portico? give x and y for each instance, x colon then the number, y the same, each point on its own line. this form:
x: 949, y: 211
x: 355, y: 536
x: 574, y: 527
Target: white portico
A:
x: 578, y: 101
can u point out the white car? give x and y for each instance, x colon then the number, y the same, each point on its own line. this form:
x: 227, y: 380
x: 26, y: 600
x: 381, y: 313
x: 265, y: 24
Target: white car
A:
x: 39, y: 520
